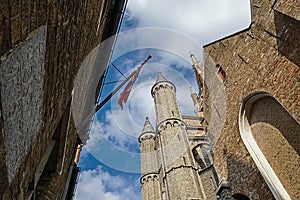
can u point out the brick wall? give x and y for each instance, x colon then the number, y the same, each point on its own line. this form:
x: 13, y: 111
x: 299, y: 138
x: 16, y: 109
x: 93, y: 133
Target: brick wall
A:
x: 277, y: 135
x: 71, y: 30
x: 264, y: 57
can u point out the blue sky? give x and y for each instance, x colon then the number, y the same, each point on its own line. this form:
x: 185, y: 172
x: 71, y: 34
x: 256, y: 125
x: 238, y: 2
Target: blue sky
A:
x: 168, y: 30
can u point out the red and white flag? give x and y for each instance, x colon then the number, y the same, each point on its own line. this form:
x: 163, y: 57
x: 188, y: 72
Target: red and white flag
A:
x: 125, y: 94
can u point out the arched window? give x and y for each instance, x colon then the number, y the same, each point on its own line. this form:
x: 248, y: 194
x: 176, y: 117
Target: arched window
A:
x: 272, y: 138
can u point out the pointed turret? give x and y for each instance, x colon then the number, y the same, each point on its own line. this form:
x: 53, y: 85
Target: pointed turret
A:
x: 164, y: 92
x: 172, y: 147
x: 147, y: 129
x: 194, y: 59
x: 198, y: 68
x: 160, y: 78
x: 151, y: 188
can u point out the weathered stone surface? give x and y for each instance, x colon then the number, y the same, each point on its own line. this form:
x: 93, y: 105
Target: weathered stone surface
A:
x: 264, y: 57
x: 277, y: 133
x: 21, y: 75
x: 173, y: 152
x: 288, y: 7
x: 71, y: 30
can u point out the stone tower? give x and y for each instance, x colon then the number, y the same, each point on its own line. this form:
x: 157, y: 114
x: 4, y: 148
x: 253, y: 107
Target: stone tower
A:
x: 165, y: 155
x: 198, y: 103
x: 199, y: 71
x: 198, y: 98
x: 246, y: 144
x: 150, y: 179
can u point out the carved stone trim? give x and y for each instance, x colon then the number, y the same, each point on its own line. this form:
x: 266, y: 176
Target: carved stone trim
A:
x: 147, y: 135
x: 164, y: 84
x: 172, y: 121
x: 147, y: 177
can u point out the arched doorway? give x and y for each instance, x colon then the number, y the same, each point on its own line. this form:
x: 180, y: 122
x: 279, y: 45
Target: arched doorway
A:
x: 272, y: 137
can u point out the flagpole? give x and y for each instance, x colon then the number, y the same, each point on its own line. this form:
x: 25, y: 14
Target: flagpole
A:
x: 98, y: 107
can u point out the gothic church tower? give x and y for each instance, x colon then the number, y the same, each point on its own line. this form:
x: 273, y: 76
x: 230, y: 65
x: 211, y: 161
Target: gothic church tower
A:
x: 167, y: 150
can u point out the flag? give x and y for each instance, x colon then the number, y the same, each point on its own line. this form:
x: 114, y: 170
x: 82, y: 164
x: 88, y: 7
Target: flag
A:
x: 125, y: 94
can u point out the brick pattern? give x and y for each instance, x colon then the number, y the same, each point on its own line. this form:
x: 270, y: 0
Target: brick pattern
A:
x: 262, y: 58
x: 278, y: 136
x: 52, y: 185
x: 73, y: 29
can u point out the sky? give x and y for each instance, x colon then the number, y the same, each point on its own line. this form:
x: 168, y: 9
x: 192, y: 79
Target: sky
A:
x: 169, y: 30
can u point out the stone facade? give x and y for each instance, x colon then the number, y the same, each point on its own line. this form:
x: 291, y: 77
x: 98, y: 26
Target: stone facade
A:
x: 43, y: 44
x: 256, y: 152
x: 176, y: 159
x: 247, y: 143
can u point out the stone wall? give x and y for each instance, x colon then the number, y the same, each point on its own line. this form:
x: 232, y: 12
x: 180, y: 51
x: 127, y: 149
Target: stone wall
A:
x: 265, y: 57
x: 21, y: 75
x: 277, y: 135
x: 49, y: 40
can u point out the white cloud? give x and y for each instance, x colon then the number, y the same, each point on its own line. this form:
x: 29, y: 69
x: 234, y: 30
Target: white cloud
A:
x: 124, y: 126
x: 169, y: 40
x: 120, y: 129
x: 204, y: 20
x: 98, y: 184
x: 184, y: 26
x: 141, y: 104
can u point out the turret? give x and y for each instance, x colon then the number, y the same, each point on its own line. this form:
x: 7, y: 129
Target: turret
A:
x: 198, y: 103
x: 199, y: 71
x: 147, y: 149
x: 150, y: 177
x: 164, y: 94
x: 172, y: 144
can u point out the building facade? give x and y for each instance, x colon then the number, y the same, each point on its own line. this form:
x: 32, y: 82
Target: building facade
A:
x: 255, y: 76
x: 246, y: 144
x: 44, y: 45
x: 176, y: 158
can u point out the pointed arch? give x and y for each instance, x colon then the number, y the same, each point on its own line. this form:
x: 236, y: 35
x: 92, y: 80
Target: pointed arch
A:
x: 265, y: 128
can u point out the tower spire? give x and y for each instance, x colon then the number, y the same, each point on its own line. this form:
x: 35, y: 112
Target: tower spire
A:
x: 161, y: 78
x: 148, y: 128
x: 161, y: 91
x: 194, y: 59
x: 175, y: 158
x: 199, y: 69
x: 149, y: 167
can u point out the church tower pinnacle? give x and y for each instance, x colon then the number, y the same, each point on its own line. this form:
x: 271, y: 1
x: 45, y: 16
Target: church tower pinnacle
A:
x: 150, y: 178
x: 198, y: 103
x: 163, y: 92
x: 180, y: 178
x: 198, y: 98
x: 199, y: 71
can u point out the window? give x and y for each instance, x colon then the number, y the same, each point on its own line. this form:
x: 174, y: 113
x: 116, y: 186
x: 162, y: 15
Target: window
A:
x: 221, y: 73
x: 271, y: 134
